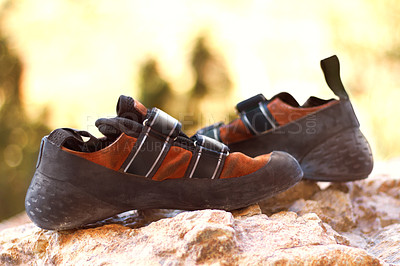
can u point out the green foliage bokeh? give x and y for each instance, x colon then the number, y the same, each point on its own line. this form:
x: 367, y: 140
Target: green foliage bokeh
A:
x: 19, y: 136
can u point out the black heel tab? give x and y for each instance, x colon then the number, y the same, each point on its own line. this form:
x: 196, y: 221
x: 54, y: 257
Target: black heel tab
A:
x: 72, y: 139
x: 331, y: 68
x: 59, y: 136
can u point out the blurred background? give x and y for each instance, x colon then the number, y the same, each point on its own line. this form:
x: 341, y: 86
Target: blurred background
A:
x: 64, y: 63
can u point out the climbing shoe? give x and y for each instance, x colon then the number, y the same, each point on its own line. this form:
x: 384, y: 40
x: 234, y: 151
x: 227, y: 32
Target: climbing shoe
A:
x: 323, y: 135
x: 145, y: 161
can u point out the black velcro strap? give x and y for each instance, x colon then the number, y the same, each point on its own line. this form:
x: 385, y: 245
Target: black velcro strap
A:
x: 159, y: 131
x: 208, y: 158
x: 163, y: 123
x: 250, y: 103
x: 255, y: 114
x: 331, y: 68
x: 211, y: 131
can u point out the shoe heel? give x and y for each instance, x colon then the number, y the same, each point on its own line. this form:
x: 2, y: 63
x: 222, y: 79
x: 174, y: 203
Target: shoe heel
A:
x: 53, y: 203
x: 344, y: 157
x: 57, y: 205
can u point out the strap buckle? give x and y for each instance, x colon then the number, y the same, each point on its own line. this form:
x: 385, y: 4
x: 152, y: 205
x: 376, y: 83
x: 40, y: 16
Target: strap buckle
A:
x: 162, y: 123
x: 250, y: 103
x: 255, y: 114
x: 211, y: 144
x: 160, y: 130
x: 211, y: 131
x: 208, y: 159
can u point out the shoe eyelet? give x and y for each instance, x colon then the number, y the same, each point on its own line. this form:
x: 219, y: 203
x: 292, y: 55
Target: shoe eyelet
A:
x: 195, y: 143
x: 145, y: 121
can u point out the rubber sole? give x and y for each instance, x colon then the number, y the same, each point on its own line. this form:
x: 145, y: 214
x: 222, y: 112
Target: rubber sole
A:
x: 328, y: 144
x: 345, y: 156
x: 69, y: 192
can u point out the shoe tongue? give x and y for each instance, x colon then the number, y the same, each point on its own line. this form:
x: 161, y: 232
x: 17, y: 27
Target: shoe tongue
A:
x: 113, y: 127
x: 131, y: 109
x: 287, y: 98
x: 311, y: 102
x: 314, y: 101
x: 130, y: 116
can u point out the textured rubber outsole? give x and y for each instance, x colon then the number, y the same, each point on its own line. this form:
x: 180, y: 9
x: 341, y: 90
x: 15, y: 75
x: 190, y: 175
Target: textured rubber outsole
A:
x: 346, y: 156
x: 69, y: 192
x: 54, y: 204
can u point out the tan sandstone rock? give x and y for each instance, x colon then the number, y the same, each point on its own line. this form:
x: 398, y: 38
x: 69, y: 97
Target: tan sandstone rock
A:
x: 16, y: 220
x: 332, y: 206
x: 377, y: 203
x: 198, y: 237
x: 357, y: 210
x: 303, y: 190
x: 385, y: 244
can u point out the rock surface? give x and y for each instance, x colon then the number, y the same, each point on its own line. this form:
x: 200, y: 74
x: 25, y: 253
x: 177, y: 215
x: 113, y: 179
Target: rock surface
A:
x: 355, y: 223
x: 198, y: 237
x: 385, y: 244
x: 16, y: 220
x: 302, y: 190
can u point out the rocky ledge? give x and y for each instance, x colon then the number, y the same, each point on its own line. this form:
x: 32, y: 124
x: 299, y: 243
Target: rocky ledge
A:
x: 355, y: 223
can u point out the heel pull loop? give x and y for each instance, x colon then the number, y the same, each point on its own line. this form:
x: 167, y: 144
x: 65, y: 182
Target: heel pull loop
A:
x: 62, y: 136
x: 331, y: 68
x: 59, y: 136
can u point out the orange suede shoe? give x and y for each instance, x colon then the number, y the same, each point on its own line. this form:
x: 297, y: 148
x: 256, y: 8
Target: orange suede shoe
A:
x: 145, y: 161
x: 323, y: 135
